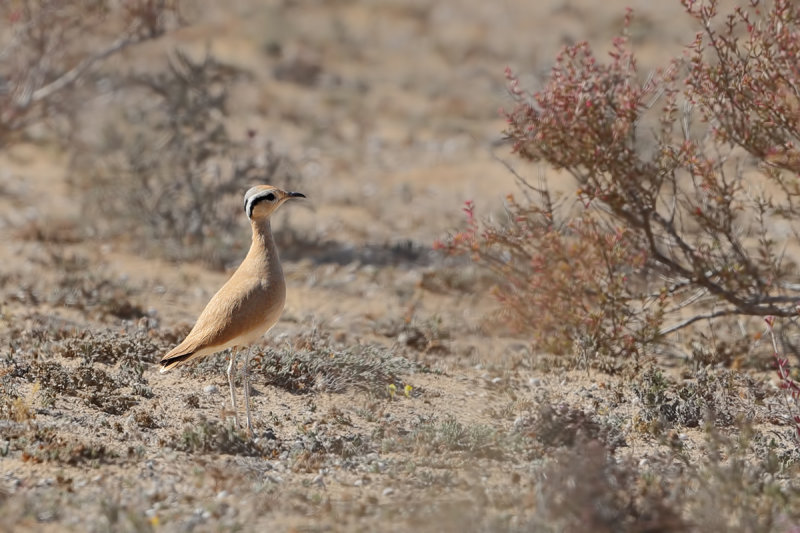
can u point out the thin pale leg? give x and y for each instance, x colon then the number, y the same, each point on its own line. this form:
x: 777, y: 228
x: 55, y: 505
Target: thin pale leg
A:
x: 232, y: 383
x: 246, y: 372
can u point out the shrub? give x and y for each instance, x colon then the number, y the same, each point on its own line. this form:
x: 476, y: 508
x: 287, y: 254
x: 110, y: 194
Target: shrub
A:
x: 578, y: 271
x: 49, y: 46
x: 683, y: 183
x: 170, y: 172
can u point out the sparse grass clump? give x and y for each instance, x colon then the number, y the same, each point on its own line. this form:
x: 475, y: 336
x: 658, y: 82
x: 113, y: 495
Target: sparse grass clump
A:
x: 113, y: 392
x: 720, y: 396
x: 556, y: 426
x: 477, y: 440
x: 322, y: 368
x: 129, y: 352
x: 210, y: 436
x: 52, y: 375
x: 742, y: 485
x: 111, y: 348
x: 587, y: 488
x: 427, y: 336
x: 80, y: 283
x: 39, y: 444
x: 736, y: 485
x: 448, y: 436
x: 94, y: 385
x: 349, y: 446
x: 15, y: 408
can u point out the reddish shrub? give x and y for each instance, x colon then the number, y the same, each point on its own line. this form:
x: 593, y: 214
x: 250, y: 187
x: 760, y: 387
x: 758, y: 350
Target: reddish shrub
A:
x: 685, y: 185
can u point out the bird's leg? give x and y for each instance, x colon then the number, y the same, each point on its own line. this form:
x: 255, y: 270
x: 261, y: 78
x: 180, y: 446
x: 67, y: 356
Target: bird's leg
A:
x: 246, y: 371
x: 231, y: 382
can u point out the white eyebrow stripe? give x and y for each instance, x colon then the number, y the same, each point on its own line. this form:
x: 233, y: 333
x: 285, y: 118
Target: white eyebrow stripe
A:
x: 253, y: 200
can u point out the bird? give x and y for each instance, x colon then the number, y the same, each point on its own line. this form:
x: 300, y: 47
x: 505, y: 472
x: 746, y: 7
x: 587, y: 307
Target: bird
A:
x: 248, y: 304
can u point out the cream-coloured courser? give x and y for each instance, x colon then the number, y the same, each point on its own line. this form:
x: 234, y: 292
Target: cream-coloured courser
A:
x: 249, y: 304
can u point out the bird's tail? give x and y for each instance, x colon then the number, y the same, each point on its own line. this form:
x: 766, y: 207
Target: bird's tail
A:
x: 168, y: 362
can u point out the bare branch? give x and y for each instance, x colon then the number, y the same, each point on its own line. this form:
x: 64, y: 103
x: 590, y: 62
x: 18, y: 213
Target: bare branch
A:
x: 71, y: 76
x: 689, y: 321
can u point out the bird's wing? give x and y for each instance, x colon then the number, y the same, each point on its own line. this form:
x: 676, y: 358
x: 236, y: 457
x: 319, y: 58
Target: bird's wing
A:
x: 242, y: 306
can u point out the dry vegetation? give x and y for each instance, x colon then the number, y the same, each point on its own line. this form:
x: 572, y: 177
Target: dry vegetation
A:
x: 396, y: 393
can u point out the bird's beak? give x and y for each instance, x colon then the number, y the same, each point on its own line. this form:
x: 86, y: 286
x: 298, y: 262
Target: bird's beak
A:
x: 295, y: 195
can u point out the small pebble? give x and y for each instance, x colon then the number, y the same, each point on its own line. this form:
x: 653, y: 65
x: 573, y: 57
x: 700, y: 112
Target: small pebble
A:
x: 210, y: 389
x: 388, y: 491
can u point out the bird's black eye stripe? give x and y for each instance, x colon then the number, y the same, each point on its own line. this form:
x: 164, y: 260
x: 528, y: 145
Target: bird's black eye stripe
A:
x: 251, y: 203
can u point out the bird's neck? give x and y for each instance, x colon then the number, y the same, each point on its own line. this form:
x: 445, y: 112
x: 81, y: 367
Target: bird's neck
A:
x: 263, y: 250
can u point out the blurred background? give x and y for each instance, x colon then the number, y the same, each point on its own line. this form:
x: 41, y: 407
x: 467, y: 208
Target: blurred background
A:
x: 388, y: 115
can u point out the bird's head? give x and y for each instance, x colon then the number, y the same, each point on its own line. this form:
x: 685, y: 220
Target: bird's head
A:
x: 262, y: 200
